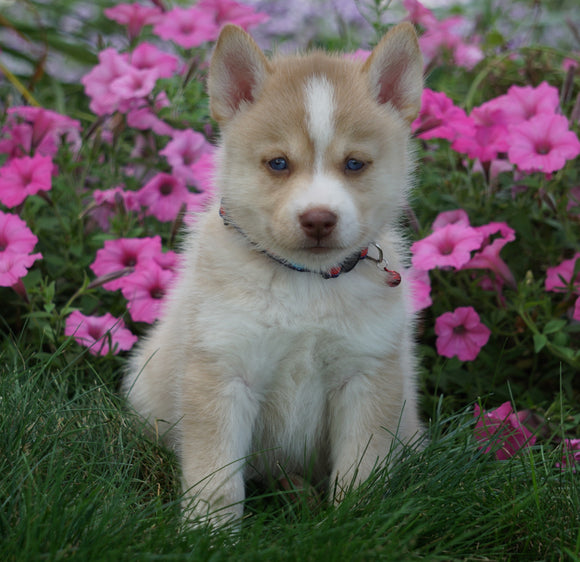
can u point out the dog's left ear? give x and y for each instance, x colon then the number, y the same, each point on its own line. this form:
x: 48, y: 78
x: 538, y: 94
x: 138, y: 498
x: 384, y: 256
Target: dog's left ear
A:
x: 395, y: 71
x: 237, y: 71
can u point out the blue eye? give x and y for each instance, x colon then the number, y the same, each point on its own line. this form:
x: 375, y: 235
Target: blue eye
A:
x: 278, y: 164
x: 354, y: 165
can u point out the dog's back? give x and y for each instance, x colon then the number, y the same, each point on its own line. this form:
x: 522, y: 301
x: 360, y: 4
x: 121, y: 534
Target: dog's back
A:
x: 283, y: 340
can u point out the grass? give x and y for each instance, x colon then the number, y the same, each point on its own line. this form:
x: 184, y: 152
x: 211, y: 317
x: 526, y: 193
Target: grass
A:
x: 80, y: 481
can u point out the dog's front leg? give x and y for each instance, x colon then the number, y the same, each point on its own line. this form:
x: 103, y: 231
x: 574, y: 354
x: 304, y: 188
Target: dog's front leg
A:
x: 216, y: 433
x: 359, y: 413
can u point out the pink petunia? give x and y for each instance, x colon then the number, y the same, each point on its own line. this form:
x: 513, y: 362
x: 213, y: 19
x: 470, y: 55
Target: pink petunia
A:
x: 101, y: 334
x: 542, y: 144
x: 418, y: 14
x: 35, y: 130
x: 570, y: 454
x: 144, y: 291
x: 148, y: 57
x: 16, y: 244
x: 496, y: 236
x: 134, y: 16
x: 455, y: 216
x: 440, y: 118
x: 185, y: 148
x: 163, y: 196
x: 98, y: 81
x: 420, y: 289
x: 123, y: 253
x: 561, y: 276
x: 188, y: 27
x: 134, y: 84
x: 228, y: 11
x: 502, y: 430
x: 448, y: 246
x: 110, y: 201
x: 21, y: 177
x: 521, y: 103
x: 460, y: 333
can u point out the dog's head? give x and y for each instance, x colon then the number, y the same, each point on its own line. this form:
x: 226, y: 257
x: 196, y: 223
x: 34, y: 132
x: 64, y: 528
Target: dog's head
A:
x: 314, y: 162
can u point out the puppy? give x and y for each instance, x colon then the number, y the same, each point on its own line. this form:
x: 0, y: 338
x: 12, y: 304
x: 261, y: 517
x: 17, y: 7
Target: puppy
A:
x: 286, y: 346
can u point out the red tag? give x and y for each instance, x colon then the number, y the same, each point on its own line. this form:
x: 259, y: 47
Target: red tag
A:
x: 393, y: 278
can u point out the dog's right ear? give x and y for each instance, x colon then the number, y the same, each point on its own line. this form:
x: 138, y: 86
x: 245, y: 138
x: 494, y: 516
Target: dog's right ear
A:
x: 237, y: 72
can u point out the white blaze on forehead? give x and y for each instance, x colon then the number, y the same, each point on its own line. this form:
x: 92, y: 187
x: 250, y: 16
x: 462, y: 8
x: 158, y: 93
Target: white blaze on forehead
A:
x: 319, y: 99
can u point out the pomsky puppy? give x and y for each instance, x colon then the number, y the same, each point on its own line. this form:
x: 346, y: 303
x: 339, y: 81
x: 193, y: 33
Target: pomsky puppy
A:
x: 283, y: 348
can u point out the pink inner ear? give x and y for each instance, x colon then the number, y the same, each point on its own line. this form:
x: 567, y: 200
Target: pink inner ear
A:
x: 242, y: 86
x: 391, y: 88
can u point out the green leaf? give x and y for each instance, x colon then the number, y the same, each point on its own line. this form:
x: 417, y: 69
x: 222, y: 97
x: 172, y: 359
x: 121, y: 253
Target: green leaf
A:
x: 554, y: 326
x: 540, y: 342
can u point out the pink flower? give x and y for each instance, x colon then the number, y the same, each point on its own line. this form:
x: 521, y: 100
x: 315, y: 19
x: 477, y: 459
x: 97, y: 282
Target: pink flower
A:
x: 455, y: 216
x: 101, y: 334
x: 521, y: 103
x: 496, y: 236
x: 420, y: 289
x: 185, y: 148
x: 144, y: 291
x: 97, y: 82
x: 134, y: 16
x: 148, y: 57
x: 163, y: 196
x: 460, y: 333
x: 188, y: 27
x: 570, y: 454
x: 543, y: 143
x: 118, y: 255
x: 16, y: 245
x: 110, y: 201
x: 202, y: 174
x: 228, y: 11
x: 440, y: 118
x: 419, y: 14
x: 134, y: 84
x: 562, y: 276
x: 37, y: 130
x: 448, y: 246
x: 21, y: 177
x: 502, y: 431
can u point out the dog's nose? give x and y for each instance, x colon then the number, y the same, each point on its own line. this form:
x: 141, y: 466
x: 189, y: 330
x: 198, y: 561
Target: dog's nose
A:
x: 318, y: 223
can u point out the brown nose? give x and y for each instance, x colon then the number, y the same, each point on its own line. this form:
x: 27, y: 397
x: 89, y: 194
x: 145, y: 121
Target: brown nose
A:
x: 318, y: 223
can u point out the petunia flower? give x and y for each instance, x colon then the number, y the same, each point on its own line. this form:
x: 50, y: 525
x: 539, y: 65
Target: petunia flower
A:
x: 101, y: 334
x: 21, y: 177
x: 502, y: 430
x: 163, y: 196
x: 542, y: 144
x: 122, y: 253
x: 144, y: 291
x: 440, y: 118
x: 496, y: 236
x: 570, y: 454
x: 135, y: 83
x: 16, y: 244
x: 188, y: 27
x: 228, y: 11
x: 561, y: 276
x: 455, y: 216
x: 460, y: 333
x: 448, y: 246
x: 149, y: 57
x: 420, y: 289
x: 134, y: 16
x: 35, y: 130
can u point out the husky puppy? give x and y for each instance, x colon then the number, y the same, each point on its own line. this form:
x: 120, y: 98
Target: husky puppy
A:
x: 286, y: 346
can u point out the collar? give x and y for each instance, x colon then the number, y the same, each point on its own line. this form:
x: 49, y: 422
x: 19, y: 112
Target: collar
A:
x: 393, y: 278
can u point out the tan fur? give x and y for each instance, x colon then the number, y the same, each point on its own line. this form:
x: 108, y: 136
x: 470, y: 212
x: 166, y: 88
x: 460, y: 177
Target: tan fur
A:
x: 255, y: 366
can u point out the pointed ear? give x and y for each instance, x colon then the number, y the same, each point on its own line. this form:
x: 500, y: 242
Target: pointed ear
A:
x: 395, y: 71
x: 237, y: 71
